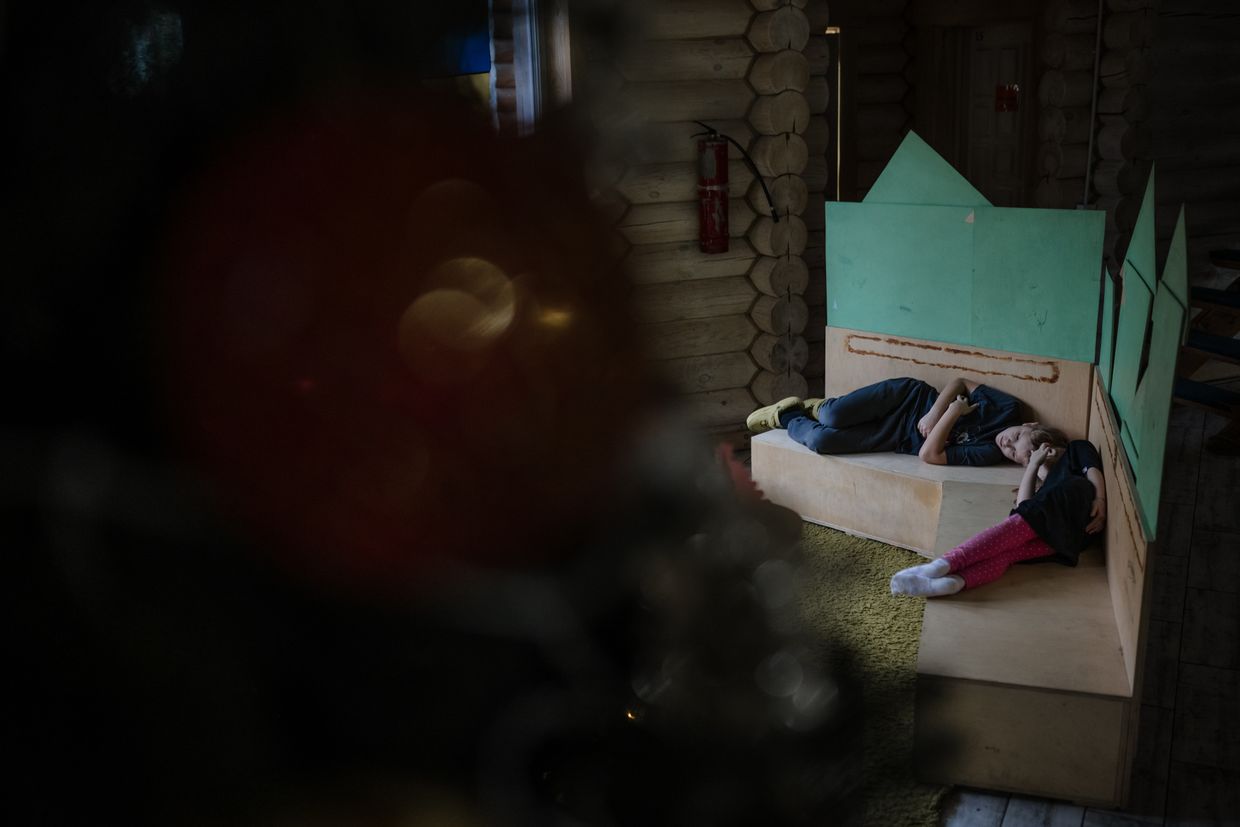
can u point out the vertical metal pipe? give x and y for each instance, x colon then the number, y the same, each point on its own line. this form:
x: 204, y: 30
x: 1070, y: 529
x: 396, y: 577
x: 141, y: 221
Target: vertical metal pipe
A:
x: 1093, y: 108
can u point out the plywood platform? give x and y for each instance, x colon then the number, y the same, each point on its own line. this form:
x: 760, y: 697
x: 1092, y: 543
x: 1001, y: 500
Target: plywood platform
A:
x: 895, y: 498
x: 1041, y: 625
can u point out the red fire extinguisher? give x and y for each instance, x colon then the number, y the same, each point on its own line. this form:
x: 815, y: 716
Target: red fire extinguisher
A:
x: 712, y: 149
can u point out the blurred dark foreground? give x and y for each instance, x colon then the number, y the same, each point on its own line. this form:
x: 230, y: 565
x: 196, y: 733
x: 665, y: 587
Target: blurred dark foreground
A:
x: 336, y: 488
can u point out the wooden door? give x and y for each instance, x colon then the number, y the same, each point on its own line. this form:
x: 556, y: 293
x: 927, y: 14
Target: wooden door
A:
x: 997, y: 143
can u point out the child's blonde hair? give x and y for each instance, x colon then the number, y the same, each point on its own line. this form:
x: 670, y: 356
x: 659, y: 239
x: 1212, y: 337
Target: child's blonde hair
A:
x: 1040, y: 435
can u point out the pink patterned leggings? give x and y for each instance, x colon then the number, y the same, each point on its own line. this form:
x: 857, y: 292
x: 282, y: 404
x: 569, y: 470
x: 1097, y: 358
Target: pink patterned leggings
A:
x: 986, y: 556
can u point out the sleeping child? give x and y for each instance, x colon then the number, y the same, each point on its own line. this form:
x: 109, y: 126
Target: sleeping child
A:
x: 1055, y: 521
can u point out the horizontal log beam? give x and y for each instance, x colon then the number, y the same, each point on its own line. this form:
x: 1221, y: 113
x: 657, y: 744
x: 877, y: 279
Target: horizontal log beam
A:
x: 697, y: 299
x: 698, y: 337
x: 668, y: 222
x: 675, y: 261
x: 676, y: 60
x: 702, y: 374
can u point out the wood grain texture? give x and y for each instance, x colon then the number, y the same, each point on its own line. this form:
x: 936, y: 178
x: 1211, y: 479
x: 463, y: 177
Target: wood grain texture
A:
x: 1214, y: 561
x: 1048, y: 627
x: 721, y: 58
x: 1023, y: 740
x: 973, y: 808
x: 1033, y: 812
x: 718, y: 409
x: 1162, y: 663
x: 700, y: 374
x: 699, y: 337
x: 1211, y: 630
x: 696, y: 299
x: 1207, y: 730
x: 1148, y: 799
x: 673, y: 222
x: 682, y: 260
x: 769, y: 387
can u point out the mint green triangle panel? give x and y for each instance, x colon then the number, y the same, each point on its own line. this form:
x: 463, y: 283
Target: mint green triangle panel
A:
x: 916, y: 174
x: 1035, y: 281
x: 900, y: 269
x: 1175, y: 270
x: 1140, y: 255
x: 1153, y: 404
x: 1134, y: 312
x: 1106, y: 347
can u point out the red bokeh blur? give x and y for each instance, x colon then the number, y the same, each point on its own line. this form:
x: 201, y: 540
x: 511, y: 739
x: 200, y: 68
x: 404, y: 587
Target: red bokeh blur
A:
x: 396, y: 339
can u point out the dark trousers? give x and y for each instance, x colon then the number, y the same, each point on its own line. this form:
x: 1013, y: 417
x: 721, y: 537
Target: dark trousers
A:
x: 878, y: 417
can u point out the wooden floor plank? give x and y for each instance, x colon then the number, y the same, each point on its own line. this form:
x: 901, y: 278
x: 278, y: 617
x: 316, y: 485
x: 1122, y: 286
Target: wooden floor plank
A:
x: 1218, y: 483
x: 1162, y: 663
x: 1040, y: 812
x: 1148, y: 795
x: 974, y: 808
x: 1214, y: 560
x: 1113, y: 818
x: 1184, y: 437
x: 1175, y: 528
x: 1207, y: 729
x: 1202, y: 796
x: 1211, y: 633
x: 1167, y: 592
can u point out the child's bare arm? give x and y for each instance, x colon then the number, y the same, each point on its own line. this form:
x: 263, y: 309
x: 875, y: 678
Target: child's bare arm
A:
x: 1097, y: 509
x: 934, y: 449
x: 951, y: 390
x: 1029, y: 480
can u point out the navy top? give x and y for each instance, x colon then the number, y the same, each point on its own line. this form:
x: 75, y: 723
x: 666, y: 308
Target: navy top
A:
x: 1059, y: 510
x: 972, y: 438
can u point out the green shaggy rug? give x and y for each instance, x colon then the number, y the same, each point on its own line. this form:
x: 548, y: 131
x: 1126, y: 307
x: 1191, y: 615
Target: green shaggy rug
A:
x: 846, y: 600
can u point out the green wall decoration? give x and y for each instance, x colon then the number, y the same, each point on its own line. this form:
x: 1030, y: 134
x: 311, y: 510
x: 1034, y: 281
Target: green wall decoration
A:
x: 916, y: 174
x: 1021, y: 280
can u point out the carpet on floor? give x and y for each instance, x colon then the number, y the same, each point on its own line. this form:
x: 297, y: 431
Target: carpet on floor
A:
x: 846, y: 602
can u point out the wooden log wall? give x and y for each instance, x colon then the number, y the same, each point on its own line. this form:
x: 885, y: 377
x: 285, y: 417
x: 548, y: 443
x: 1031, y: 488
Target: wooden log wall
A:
x: 503, y: 75
x: 1065, y: 94
x: 817, y: 179
x: 1194, y: 124
x: 883, y: 108
x: 1122, y: 146
x: 727, y: 330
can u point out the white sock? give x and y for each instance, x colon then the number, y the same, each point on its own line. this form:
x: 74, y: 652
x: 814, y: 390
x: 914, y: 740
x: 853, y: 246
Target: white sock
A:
x: 916, y: 585
x: 938, y: 567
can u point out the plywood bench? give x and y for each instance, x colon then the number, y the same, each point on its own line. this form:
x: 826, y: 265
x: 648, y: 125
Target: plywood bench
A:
x: 895, y: 498
x: 1033, y: 681
x: 1032, y: 684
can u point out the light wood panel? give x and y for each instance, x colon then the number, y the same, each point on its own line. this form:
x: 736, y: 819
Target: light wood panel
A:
x: 1046, y: 626
x: 1127, y: 548
x: 1030, y: 741
x: 1053, y: 391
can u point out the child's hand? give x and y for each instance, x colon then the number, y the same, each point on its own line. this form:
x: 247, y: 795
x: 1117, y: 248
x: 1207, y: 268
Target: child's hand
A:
x: 1098, y: 516
x: 961, y: 405
x: 1043, y: 453
x: 926, y: 424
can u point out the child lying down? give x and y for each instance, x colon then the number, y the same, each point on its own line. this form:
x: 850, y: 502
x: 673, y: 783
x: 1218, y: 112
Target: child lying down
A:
x: 1055, y: 521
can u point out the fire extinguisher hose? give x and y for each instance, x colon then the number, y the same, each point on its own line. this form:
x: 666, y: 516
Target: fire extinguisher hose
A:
x: 752, y: 166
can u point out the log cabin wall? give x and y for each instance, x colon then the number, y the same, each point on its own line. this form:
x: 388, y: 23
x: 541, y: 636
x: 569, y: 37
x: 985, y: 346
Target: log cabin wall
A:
x: 1194, y: 121
x: 726, y: 329
x: 878, y: 69
x: 1065, y: 94
x: 1122, y: 136
x: 503, y: 73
